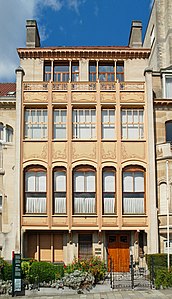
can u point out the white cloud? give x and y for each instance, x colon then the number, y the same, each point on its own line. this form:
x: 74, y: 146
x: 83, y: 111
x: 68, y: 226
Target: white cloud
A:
x: 13, y: 16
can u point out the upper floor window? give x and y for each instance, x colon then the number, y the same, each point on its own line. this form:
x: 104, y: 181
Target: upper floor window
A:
x: 120, y: 71
x: 108, y: 191
x: 168, y: 127
x: 132, y: 124
x: 84, y: 191
x: 35, y: 190
x: 47, y: 71
x: 92, y: 71
x: 61, y: 72
x: 133, y: 191
x: 59, y: 191
x: 168, y: 87
x: 106, y: 72
x: 75, y: 71
x: 108, y: 123
x: 36, y: 123
x: 84, y: 123
x: 60, y: 123
x: 6, y: 133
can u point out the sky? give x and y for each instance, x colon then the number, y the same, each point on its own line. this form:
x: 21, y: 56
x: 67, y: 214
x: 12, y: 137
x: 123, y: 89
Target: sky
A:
x: 66, y: 23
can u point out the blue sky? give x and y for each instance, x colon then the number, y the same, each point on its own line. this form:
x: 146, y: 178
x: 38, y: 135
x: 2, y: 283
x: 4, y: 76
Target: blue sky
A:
x: 65, y: 23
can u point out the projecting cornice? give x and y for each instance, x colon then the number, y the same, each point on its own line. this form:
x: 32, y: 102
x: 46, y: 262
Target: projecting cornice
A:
x: 102, y: 52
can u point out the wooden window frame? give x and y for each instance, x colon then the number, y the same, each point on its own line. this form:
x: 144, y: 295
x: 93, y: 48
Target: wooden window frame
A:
x: 61, y: 74
x: 92, y: 74
x: 106, y: 73
x: 119, y: 72
x: 75, y: 72
x: 47, y: 74
x: 139, y: 125
x: 109, y: 123
x: 30, y: 125
x: 77, y: 125
x: 60, y: 123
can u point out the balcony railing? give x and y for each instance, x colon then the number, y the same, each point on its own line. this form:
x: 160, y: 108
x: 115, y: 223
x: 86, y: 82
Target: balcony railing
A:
x: 84, y: 86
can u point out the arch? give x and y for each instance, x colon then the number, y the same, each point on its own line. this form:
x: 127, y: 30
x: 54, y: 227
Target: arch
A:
x: 9, y: 133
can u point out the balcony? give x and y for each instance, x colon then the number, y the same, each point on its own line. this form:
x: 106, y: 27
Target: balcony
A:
x: 163, y: 150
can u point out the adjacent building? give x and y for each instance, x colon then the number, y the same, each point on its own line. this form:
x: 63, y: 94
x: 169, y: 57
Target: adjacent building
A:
x: 158, y: 37
x: 86, y: 161
x: 8, y: 212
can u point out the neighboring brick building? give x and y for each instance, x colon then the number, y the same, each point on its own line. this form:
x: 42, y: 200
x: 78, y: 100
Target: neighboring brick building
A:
x: 85, y: 162
x: 9, y: 214
x: 158, y: 37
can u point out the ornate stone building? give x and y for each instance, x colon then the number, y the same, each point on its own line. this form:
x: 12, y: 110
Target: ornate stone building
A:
x: 86, y: 161
x: 158, y: 37
x: 9, y: 214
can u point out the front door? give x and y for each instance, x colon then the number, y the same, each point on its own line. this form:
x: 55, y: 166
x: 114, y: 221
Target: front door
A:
x: 118, y: 252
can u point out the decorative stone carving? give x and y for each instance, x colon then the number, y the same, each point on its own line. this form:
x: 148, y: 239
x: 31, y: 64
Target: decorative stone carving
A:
x: 40, y: 151
x: 83, y: 97
x: 59, y: 97
x: 85, y: 150
x: 108, y: 97
x: 132, y: 97
x: 59, y: 151
x: 35, y: 97
x: 109, y: 150
x: 130, y: 151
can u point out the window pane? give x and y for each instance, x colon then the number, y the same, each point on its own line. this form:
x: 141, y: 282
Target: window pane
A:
x: 138, y: 181
x: 89, y: 182
x: 109, y: 203
x: 30, y: 181
x: 60, y: 203
x: 169, y: 88
x: 108, y: 181
x: 168, y: 126
x: 133, y: 203
x: 128, y: 182
x: 78, y: 181
x: 60, y: 181
x: 36, y: 203
x: 41, y: 181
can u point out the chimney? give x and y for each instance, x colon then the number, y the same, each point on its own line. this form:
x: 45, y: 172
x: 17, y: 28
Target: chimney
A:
x: 32, y: 34
x: 135, y: 39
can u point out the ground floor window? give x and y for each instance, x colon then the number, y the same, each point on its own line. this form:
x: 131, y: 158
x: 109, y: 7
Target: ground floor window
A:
x: 85, y: 246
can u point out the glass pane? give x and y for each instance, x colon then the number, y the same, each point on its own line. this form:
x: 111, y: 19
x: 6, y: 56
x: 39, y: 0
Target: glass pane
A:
x: 60, y: 181
x: 128, y: 182
x: 108, y: 181
x: 30, y: 181
x: 79, y: 181
x: 138, y: 181
x: 133, y: 203
x: 41, y: 181
x: 89, y: 182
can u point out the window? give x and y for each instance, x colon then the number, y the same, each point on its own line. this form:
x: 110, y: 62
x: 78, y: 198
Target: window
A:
x: 132, y: 124
x: 47, y: 71
x: 85, y: 246
x: 36, y: 123
x: 9, y: 134
x: 108, y: 191
x: 84, y: 123
x: 35, y: 190
x: 92, y: 72
x: 108, y: 123
x: 168, y: 127
x: 84, y: 191
x: 168, y: 87
x: 75, y: 71
x: 120, y: 71
x: 0, y: 202
x: 60, y: 191
x: 60, y: 124
x: 1, y: 131
x: 133, y: 191
x: 61, y: 72
x: 106, y: 72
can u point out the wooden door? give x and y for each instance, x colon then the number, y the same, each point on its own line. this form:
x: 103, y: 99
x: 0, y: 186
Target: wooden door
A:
x: 118, y: 251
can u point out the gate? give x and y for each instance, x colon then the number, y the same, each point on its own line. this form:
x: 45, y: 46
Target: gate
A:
x: 135, y: 278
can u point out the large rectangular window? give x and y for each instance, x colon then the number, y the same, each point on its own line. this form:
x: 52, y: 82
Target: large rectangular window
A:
x: 84, y: 192
x: 106, y: 72
x: 60, y: 191
x: 133, y: 192
x: 35, y: 191
x: 84, y: 123
x: 61, y: 72
x: 36, y: 123
x: 92, y: 72
x: 108, y: 191
x: 108, y: 123
x: 132, y: 124
x: 60, y: 123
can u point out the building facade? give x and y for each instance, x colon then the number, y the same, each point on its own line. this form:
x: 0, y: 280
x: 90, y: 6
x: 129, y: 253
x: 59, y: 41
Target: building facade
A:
x: 158, y: 37
x: 86, y: 159
x: 9, y: 239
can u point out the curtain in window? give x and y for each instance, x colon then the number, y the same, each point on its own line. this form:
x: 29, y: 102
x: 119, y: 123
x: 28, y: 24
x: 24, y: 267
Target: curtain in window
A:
x: 133, y: 203
x: 84, y: 192
x: 169, y: 88
x: 109, y: 192
x: 60, y: 192
x: 35, y: 203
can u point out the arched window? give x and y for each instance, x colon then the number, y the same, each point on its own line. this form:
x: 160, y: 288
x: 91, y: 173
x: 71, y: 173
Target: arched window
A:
x: 133, y: 190
x: 108, y: 191
x: 168, y: 128
x: 9, y: 133
x: 84, y: 190
x: 59, y: 191
x: 35, y: 190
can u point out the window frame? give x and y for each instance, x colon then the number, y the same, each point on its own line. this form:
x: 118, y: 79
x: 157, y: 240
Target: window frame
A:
x: 47, y: 74
x: 59, y: 193
x: 61, y: 73
x: 75, y: 71
x: 128, y: 126
x: 134, y: 169
x: 85, y: 169
x: 92, y: 73
x: 105, y: 74
x: 110, y: 170
x: 40, y: 194
x: 168, y: 122
x: 29, y: 125
x: 59, y: 124
x: 109, y: 123
x: 78, y: 126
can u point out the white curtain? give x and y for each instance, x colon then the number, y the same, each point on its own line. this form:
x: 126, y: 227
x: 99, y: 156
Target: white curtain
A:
x: 60, y: 204
x: 35, y: 204
x: 109, y: 186
x: 60, y: 188
x: 85, y: 205
x: 133, y: 205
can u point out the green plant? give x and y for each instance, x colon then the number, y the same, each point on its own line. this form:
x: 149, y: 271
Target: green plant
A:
x: 163, y: 278
x: 94, y: 266
x: 44, y: 271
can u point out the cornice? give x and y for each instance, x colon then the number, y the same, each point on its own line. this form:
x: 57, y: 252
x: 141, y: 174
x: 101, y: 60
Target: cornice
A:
x: 106, y: 52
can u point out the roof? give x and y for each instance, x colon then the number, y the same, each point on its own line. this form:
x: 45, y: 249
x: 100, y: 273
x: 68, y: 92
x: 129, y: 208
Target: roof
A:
x: 7, y: 89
